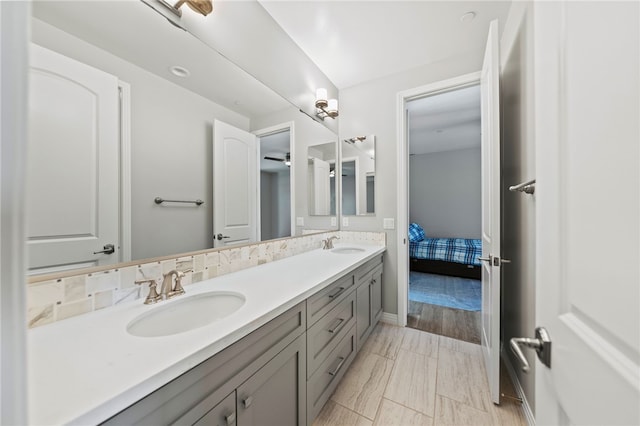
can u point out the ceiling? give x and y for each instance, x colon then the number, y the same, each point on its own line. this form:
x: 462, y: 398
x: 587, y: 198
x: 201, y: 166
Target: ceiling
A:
x: 275, y: 145
x: 134, y: 32
x: 357, y: 41
x: 445, y: 122
x: 353, y: 42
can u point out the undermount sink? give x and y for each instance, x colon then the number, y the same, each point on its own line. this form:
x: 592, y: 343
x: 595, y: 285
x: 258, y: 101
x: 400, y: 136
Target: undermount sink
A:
x: 187, y: 314
x: 347, y: 250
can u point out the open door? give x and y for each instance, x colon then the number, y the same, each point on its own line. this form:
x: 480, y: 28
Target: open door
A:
x: 490, y: 143
x: 235, y: 192
x: 72, y: 174
x: 587, y: 109
x: 321, y: 187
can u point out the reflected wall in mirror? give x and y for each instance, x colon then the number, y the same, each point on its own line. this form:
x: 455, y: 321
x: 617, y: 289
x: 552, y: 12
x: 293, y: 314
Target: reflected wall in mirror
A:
x: 358, y: 178
x: 321, y: 179
x: 162, y: 89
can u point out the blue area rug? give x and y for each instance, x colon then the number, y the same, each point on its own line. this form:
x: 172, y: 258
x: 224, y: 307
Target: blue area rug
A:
x: 452, y: 292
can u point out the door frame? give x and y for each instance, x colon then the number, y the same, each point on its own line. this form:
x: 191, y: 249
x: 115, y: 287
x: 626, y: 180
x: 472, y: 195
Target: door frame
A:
x: 124, y: 103
x: 402, y: 121
x: 282, y: 127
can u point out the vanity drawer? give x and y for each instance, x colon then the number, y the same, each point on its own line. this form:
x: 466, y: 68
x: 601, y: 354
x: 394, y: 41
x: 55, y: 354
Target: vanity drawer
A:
x: 324, y: 300
x: 325, y: 380
x: 362, y: 273
x: 324, y: 335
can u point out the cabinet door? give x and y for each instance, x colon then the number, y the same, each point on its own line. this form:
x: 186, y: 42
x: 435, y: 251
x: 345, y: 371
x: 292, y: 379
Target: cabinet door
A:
x: 223, y: 414
x: 276, y: 394
x: 376, y: 295
x: 363, y: 313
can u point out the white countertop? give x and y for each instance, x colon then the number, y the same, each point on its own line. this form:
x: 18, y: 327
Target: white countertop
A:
x: 85, y: 369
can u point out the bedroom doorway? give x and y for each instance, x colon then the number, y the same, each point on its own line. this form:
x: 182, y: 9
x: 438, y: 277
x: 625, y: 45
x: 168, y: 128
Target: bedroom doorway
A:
x: 444, y: 200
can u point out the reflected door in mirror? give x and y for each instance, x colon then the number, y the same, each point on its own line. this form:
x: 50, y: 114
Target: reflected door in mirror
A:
x: 72, y: 172
x: 234, y: 185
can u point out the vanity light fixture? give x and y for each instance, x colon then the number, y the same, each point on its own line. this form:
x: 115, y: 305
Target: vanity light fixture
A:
x: 203, y: 7
x: 356, y: 139
x: 325, y: 107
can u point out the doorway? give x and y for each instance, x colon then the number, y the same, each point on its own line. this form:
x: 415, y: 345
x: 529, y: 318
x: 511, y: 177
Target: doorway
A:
x: 275, y: 160
x: 444, y: 199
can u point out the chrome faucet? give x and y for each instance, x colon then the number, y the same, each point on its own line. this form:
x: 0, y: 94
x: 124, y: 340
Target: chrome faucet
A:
x: 328, y: 243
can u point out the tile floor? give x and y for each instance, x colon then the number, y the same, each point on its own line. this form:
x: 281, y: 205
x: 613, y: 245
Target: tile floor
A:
x: 404, y: 376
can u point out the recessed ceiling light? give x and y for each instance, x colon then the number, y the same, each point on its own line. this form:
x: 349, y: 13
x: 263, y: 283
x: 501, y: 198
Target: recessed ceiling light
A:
x: 179, y: 71
x: 468, y: 17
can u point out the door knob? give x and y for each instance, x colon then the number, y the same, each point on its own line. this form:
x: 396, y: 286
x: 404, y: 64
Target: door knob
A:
x: 220, y: 236
x: 108, y: 249
x: 541, y: 343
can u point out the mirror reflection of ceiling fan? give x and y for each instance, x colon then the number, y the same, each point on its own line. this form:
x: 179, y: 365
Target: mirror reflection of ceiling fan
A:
x: 286, y: 160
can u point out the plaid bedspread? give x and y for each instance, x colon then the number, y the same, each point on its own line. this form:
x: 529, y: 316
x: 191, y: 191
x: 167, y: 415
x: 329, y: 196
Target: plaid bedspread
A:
x: 458, y: 250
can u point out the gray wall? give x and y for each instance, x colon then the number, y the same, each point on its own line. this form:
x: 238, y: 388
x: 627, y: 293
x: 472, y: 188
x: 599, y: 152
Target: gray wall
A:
x: 518, y: 165
x: 445, y: 193
x: 275, y: 205
x: 171, y: 150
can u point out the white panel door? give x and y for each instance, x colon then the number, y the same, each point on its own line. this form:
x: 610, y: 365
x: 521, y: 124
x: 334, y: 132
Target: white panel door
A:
x: 72, y: 170
x: 235, y: 189
x: 588, y: 211
x: 321, y: 187
x: 490, y: 116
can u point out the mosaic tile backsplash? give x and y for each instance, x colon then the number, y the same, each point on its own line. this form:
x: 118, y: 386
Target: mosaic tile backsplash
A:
x: 57, y: 299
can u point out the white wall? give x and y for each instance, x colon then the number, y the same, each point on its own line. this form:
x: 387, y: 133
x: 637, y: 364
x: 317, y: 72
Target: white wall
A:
x: 171, y: 150
x: 371, y: 108
x: 518, y: 165
x: 445, y: 193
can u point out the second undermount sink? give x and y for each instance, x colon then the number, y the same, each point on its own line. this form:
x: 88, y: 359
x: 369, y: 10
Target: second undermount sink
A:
x: 186, y: 314
x: 347, y: 250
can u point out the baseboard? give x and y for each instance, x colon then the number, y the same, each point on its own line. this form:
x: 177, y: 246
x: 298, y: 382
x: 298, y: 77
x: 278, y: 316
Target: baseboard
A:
x: 526, y: 408
x: 389, y: 318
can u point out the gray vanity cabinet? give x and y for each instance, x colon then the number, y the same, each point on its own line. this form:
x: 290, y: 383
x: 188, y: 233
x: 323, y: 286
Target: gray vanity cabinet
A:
x: 368, y: 279
x: 276, y: 394
x: 223, y: 414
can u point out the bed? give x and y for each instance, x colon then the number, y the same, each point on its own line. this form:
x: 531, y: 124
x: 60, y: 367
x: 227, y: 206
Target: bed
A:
x: 447, y: 256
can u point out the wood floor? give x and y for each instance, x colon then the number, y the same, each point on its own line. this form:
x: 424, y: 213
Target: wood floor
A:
x: 454, y: 323
x: 404, y: 376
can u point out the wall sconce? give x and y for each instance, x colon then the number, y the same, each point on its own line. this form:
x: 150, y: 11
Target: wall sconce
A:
x: 203, y: 7
x: 325, y: 107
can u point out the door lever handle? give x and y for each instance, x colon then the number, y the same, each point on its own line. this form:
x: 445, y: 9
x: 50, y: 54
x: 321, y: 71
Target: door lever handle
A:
x: 541, y: 343
x: 220, y: 236
x: 485, y: 259
x: 108, y: 249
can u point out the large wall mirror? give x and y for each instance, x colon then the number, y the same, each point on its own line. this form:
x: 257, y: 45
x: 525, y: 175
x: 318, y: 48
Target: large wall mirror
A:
x: 163, y: 90
x: 358, y: 166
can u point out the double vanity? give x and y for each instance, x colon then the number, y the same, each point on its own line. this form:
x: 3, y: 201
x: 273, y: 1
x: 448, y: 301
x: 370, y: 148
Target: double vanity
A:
x: 265, y: 345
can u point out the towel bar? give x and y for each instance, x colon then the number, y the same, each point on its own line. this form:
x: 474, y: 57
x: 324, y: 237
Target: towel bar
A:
x: 159, y: 200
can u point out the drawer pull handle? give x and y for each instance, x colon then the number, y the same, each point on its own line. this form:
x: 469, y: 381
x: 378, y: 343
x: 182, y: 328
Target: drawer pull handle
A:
x: 335, y: 327
x: 231, y: 418
x: 338, y: 367
x: 247, y: 401
x: 337, y: 293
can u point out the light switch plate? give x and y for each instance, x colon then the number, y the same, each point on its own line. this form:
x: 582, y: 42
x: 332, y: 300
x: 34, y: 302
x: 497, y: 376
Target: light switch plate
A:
x: 299, y: 221
x: 389, y: 223
x: 345, y: 221
x: 334, y: 221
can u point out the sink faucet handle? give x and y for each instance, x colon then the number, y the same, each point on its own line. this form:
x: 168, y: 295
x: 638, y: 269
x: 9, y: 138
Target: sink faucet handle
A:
x: 153, y: 295
x: 177, y: 289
